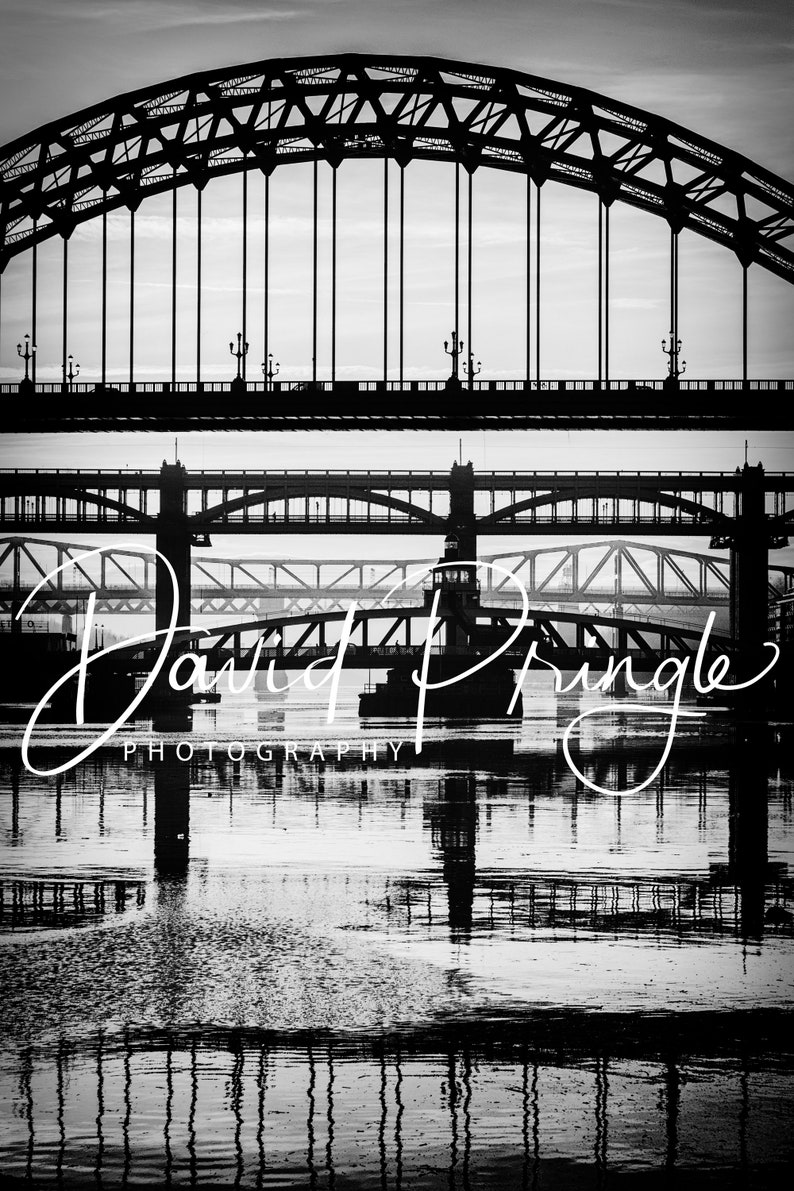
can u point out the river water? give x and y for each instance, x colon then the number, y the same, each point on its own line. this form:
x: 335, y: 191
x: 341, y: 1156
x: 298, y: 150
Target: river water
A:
x: 458, y: 969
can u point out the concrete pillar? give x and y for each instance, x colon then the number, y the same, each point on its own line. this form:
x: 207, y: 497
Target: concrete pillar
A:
x: 462, y: 532
x: 173, y: 542
x: 749, y: 563
x: 461, y: 509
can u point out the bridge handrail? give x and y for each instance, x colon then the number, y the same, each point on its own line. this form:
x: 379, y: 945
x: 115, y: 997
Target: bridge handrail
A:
x: 245, y: 474
x: 430, y: 385
x: 78, y: 471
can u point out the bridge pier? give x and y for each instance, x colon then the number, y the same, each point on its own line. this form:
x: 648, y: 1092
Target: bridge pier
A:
x: 749, y: 565
x: 173, y: 542
x: 461, y: 539
x: 461, y: 510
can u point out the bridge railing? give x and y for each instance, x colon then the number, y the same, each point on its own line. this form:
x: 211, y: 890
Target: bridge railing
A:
x: 351, y: 387
x: 483, y: 480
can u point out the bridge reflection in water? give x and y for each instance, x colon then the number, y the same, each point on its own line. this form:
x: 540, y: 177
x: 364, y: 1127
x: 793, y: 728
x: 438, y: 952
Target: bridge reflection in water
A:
x: 545, y: 1107
x: 731, y: 896
x: 321, y: 899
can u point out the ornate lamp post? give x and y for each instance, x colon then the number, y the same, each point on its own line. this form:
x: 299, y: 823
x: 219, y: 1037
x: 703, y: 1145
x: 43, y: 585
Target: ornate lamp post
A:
x: 239, y: 354
x: 72, y: 373
x: 454, y: 351
x: 27, y: 355
x: 269, y: 370
x: 672, y: 353
x: 471, y: 371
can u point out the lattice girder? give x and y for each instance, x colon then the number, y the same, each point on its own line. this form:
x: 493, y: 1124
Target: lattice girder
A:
x: 267, y: 113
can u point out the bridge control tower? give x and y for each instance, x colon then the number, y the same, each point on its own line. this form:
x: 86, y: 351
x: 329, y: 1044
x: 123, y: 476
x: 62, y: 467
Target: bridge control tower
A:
x: 454, y: 588
x: 454, y: 578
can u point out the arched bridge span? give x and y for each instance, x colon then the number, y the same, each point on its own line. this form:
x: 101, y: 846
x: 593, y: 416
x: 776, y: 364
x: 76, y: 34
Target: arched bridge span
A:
x: 381, y: 636
x: 393, y: 502
x: 267, y: 113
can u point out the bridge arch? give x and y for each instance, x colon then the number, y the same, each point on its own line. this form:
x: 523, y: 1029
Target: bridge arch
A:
x: 267, y: 113
x: 702, y: 515
x: 220, y: 642
x: 216, y: 514
x: 81, y: 497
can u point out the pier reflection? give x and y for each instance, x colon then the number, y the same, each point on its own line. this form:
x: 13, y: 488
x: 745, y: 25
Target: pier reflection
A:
x: 748, y: 823
x: 744, y: 894
x: 453, y: 829
x: 171, y: 814
x: 740, y: 897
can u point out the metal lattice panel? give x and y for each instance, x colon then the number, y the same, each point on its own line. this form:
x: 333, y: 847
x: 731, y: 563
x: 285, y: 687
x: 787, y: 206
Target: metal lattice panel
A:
x: 391, y: 502
x: 600, y: 572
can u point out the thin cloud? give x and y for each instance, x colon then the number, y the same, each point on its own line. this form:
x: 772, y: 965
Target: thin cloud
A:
x: 142, y: 14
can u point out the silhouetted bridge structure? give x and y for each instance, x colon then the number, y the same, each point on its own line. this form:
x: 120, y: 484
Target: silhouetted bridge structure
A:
x: 176, y: 138
x: 558, y: 1084
x: 748, y: 511
x: 412, y: 405
x: 628, y: 574
x: 394, y: 502
x: 381, y: 636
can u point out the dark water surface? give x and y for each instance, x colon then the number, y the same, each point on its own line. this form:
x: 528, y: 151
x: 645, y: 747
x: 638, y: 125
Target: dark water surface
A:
x: 462, y: 969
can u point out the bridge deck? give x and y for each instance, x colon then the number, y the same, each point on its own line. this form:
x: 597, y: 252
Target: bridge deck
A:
x: 418, y: 405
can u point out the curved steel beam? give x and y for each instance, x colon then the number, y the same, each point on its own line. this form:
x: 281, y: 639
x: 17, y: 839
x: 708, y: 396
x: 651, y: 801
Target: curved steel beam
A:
x: 263, y: 114
x: 212, y: 517
x: 701, y: 514
x: 85, y: 496
x: 267, y: 624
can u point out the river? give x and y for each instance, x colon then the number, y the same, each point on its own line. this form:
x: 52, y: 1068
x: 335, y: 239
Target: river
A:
x: 458, y: 969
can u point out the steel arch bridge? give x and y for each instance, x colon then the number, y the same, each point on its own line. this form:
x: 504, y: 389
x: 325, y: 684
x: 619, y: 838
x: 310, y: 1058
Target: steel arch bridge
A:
x: 263, y: 114
x: 251, y: 118
x: 393, y: 502
x: 630, y: 574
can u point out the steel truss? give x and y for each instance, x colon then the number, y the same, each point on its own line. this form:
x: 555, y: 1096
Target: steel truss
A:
x: 381, y: 636
x: 263, y: 114
x: 396, y: 502
x: 631, y: 574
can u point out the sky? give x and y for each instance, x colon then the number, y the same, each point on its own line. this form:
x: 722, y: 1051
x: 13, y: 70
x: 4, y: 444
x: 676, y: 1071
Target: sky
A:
x: 723, y: 69
x: 720, y: 67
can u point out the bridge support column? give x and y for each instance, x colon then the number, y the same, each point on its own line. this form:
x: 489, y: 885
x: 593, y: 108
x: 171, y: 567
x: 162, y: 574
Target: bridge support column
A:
x: 16, y: 596
x: 461, y: 540
x: 461, y: 510
x: 173, y: 543
x: 749, y: 563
